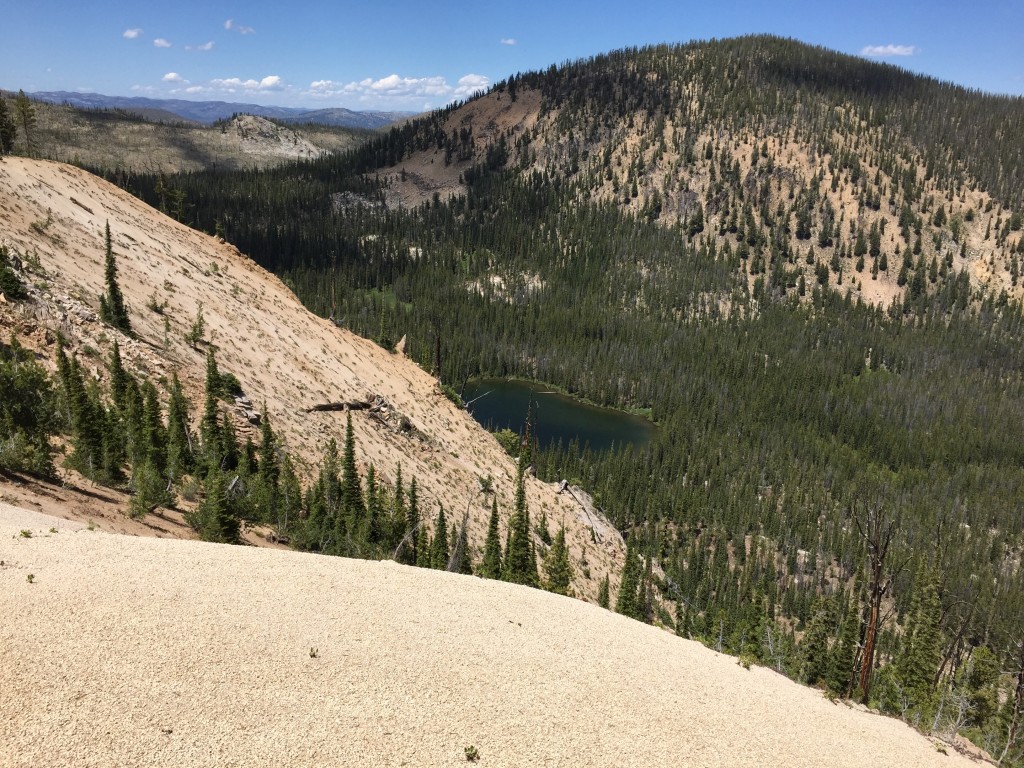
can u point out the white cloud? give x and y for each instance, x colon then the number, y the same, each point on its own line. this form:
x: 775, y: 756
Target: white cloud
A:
x: 236, y: 84
x: 239, y: 28
x: 161, y: 43
x: 396, y: 92
x: 204, y: 47
x: 173, y: 77
x: 884, y: 51
x: 508, y: 41
x: 131, y: 34
x: 471, y: 84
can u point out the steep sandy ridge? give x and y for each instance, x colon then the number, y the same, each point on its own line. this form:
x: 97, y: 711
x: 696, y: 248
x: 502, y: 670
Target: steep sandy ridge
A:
x: 131, y: 651
x: 284, y: 356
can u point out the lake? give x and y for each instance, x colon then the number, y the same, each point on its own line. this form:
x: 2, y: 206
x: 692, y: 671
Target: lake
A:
x: 500, y: 403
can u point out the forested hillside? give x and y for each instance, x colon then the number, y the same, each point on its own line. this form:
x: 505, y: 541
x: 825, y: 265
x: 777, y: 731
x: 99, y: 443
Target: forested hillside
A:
x: 805, y: 265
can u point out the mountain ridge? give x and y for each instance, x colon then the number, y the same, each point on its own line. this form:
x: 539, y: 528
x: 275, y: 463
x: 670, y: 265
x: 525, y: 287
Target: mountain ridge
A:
x: 208, y: 112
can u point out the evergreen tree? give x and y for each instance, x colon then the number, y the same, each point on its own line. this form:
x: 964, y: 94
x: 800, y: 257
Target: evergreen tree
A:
x: 396, y: 524
x: 557, y: 568
x: 814, y: 646
x: 119, y: 379
x: 10, y: 284
x: 374, y: 533
x: 491, y: 568
x: 27, y: 417
x: 918, y: 663
x: 843, y: 657
x: 603, y: 592
x: 8, y: 128
x: 520, y: 563
x: 628, y: 600
x: 461, y: 560
x: 439, y: 544
x: 210, y: 427
x: 149, y: 490
x: 410, y: 544
x: 213, y: 518
x: 179, y: 441
x: 26, y: 113
x: 351, y: 490
x: 290, y: 506
x: 112, y: 307
x: 154, y: 434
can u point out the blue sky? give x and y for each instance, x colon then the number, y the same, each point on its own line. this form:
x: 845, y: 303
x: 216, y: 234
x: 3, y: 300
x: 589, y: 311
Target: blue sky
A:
x: 418, y: 55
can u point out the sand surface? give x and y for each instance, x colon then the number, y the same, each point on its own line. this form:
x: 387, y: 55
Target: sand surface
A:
x: 130, y: 651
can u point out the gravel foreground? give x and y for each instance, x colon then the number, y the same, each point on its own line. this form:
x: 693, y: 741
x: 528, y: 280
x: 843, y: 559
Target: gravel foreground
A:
x: 126, y: 651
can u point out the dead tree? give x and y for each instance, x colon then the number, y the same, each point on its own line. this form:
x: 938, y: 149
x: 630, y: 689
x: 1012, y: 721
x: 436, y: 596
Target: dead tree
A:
x: 878, y: 529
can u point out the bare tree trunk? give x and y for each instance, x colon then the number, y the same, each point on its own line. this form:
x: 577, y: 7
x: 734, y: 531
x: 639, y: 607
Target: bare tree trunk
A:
x: 878, y: 532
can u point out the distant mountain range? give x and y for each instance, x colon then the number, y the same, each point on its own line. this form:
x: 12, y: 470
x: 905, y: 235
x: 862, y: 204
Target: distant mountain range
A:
x: 210, y: 111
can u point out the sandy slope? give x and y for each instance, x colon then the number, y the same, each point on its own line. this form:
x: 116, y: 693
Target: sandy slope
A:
x: 284, y: 356
x: 132, y: 651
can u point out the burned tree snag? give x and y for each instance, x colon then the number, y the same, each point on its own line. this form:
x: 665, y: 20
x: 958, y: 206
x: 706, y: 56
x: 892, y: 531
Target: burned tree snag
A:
x: 878, y: 529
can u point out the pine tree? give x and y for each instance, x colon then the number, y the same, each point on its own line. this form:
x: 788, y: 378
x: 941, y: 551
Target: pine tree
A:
x: 490, y: 568
x: 395, y: 529
x: 119, y: 378
x: 153, y: 430
x: 351, y: 489
x: 410, y: 546
x: 112, y: 307
x: 628, y: 600
x: 8, y: 128
x: 557, y: 568
x: 843, y: 657
x: 290, y: 506
x: 439, y: 544
x: 179, y: 440
x: 213, y: 518
x: 374, y: 534
x: 87, y: 420
x: 27, y: 417
x: 814, y: 646
x: 520, y: 563
x: 919, y: 662
x: 460, y: 560
x: 26, y: 113
x: 209, y: 425
x: 603, y: 593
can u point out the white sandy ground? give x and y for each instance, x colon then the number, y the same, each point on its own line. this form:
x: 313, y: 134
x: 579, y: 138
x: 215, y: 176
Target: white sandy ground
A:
x: 130, y: 651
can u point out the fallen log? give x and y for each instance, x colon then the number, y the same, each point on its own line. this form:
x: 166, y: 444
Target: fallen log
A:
x: 350, y: 405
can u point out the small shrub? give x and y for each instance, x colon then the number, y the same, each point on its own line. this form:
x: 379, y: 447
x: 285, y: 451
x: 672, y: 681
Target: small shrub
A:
x: 154, y: 305
x: 452, y: 395
x: 190, y: 489
x: 31, y: 578
x: 314, y: 652
x: 472, y: 754
x: 26, y: 534
x: 508, y: 440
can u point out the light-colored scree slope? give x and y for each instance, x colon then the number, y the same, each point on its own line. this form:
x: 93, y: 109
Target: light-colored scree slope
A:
x: 130, y: 651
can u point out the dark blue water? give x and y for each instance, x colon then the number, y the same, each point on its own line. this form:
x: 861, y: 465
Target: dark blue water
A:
x: 500, y: 403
